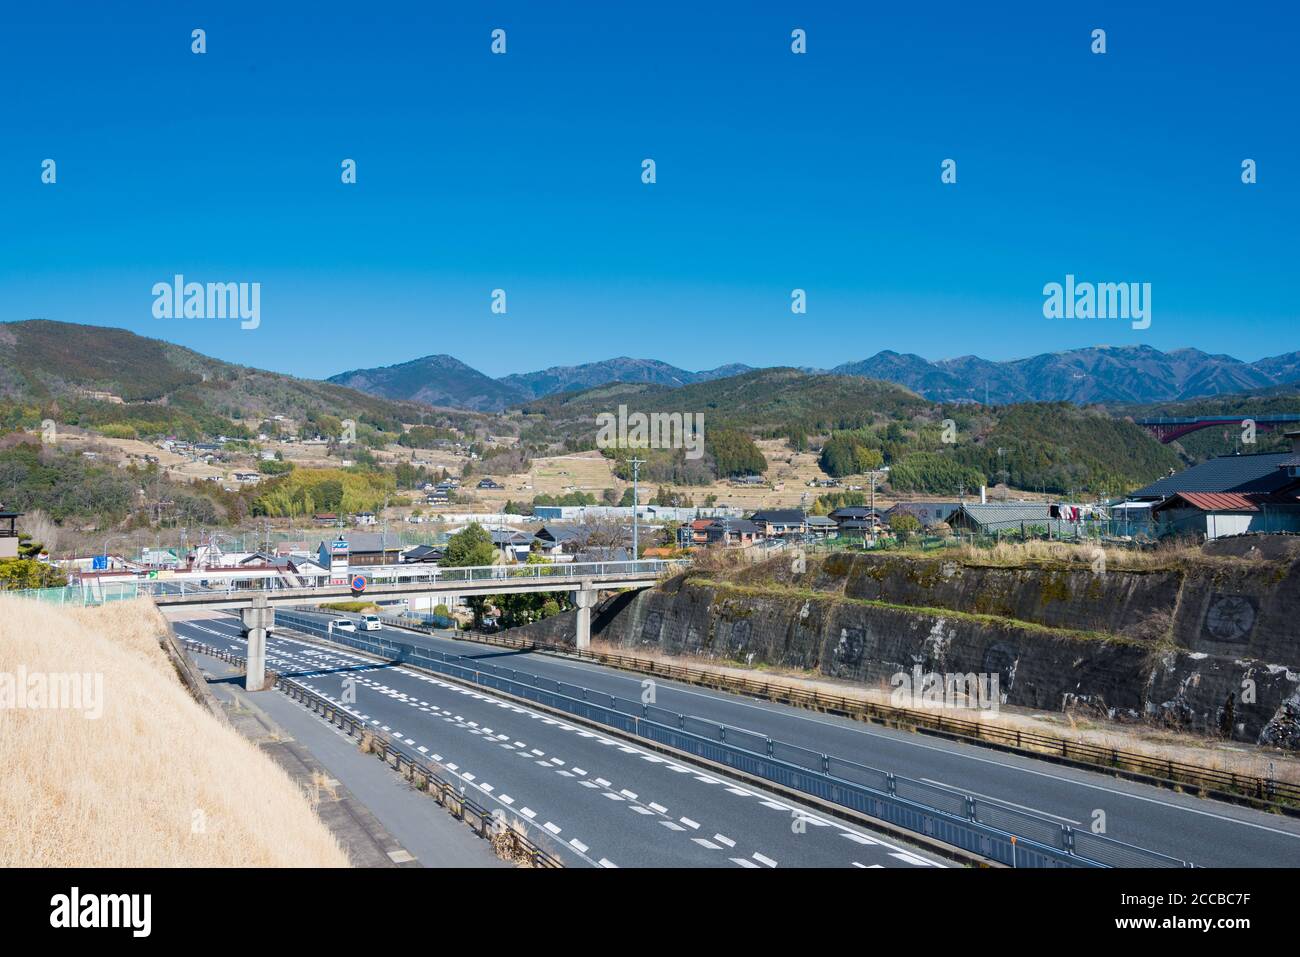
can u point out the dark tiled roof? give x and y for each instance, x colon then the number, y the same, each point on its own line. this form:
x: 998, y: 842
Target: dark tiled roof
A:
x: 1260, y: 473
x: 852, y: 511
x: 778, y: 515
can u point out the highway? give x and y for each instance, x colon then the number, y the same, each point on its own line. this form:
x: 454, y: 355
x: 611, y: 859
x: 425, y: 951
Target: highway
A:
x: 1207, y: 833
x: 592, y: 799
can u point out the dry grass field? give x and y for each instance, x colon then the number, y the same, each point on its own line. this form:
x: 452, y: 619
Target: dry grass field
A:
x: 154, y: 781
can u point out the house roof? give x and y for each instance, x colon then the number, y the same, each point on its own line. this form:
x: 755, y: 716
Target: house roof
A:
x: 778, y: 515
x: 422, y: 550
x: 1211, y: 502
x: 824, y: 520
x: 559, y: 533
x: 361, y: 542
x: 851, y: 511
x: 1005, y: 514
x: 1262, y: 472
x: 737, y: 526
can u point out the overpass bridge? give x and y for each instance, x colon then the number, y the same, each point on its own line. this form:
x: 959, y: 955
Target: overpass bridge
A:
x: 256, y: 597
x: 1169, y: 429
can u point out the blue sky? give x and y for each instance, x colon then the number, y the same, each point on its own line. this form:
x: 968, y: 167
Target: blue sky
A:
x: 775, y: 171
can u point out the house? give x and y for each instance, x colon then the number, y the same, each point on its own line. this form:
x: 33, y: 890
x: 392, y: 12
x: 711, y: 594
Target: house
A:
x: 1005, y: 518
x: 423, y: 555
x: 437, y: 497
x: 488, y: 483
x: 856, y: 520
x: 365, y: 548
x: 772, y: 522
x: 823, y: 526
x: 365, y: 518
x: 560, y: 542
x: 748, y: 480
x: 927, y: 513
x: 325, y: 518
x: 1229, y: 495
x: 513, y: 545
x: 9, y: 534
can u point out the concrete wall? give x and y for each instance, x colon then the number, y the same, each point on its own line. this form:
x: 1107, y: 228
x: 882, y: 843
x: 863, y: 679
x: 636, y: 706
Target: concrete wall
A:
x: 1188, y: 646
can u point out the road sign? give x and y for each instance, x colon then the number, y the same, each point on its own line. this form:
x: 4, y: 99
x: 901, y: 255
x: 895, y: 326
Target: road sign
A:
x: 358, y: 582
x: 99, y: 561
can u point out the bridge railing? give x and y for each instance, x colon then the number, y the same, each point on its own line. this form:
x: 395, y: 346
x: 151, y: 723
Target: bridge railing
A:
x: 218, y: 585
x: 991, y: 830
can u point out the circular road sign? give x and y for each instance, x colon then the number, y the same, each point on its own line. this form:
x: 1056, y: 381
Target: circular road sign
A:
x: 358, y: 582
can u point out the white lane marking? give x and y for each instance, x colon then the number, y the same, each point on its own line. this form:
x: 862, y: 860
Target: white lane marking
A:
x: 857, y: 837
x: 764, y: 860
x: 910, y: 858
x: 659, y: 807
x: 672, y: 825
x: 627, y: 794
x: 743, y: 862
x: 578, y: 846
x: 528, y: 812
x: 741, y: 792
x: 689, y: 823
x: 602, y: 782
x: 724, y: 840
x: 605, y: 862
x: 705, y: 842
x: 794, y: 714
x: 640, y: 810
x: 613, y: 797
x: 505, y: 799
x: 551, y: 827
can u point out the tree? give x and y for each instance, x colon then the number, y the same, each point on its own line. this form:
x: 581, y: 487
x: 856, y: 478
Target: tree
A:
x: 29, y: 573
x: 470, y: 546
x: 905, y: 525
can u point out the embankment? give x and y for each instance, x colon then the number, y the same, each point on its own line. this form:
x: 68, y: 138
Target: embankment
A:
x: 109, y: 762
x: 1206, y: 643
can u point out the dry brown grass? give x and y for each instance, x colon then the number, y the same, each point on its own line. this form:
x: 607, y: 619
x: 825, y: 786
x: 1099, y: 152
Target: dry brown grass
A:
x: 156, y: 781
x: 1011, y: 554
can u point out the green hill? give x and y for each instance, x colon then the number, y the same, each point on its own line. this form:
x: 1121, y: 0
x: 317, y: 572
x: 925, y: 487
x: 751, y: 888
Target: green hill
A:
x: 58, y: 369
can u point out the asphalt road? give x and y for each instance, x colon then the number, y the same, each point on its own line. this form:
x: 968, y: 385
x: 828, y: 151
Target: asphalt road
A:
x: 591, y: 798
x: 1205, y: 832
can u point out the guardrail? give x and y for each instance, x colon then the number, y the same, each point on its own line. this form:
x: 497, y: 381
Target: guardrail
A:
x: 218, y: 585
x: 1251, y: 789
x: 991, y: 830
x: 416, y: 768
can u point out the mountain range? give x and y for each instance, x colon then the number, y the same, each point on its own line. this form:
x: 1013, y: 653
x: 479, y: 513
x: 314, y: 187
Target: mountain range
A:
x: 446, y: 381
x: 1100, y: 374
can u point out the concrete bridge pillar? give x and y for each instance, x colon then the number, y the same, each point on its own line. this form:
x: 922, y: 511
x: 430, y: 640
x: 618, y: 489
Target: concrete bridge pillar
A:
x: 584, y: 600
x: 257, y: 620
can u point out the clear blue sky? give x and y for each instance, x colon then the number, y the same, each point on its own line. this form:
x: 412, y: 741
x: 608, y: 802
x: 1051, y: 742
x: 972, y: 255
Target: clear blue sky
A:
x: 775, y: 171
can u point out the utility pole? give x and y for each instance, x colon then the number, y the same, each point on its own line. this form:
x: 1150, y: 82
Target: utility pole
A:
x: 636, y: 529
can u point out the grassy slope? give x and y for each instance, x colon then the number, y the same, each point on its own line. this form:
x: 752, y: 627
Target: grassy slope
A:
x: 121, y: 790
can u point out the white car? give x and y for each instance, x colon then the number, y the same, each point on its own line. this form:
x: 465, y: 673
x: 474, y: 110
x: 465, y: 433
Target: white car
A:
x: 371, y: 623
x: 343, y: 624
